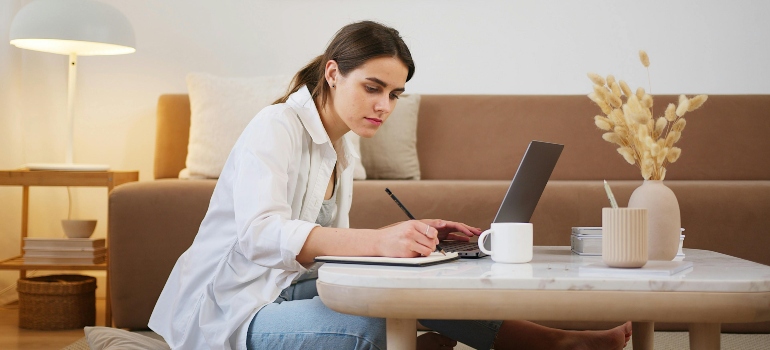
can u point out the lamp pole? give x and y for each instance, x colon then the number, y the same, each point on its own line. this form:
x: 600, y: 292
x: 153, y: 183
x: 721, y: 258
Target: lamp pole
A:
x: 71, y: 86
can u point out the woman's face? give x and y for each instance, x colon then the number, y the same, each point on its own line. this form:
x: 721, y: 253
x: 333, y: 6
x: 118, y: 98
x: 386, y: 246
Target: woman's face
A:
x: 364, y: 98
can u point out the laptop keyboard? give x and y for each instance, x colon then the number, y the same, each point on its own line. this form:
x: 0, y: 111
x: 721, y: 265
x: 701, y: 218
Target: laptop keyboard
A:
x: 459, y: 246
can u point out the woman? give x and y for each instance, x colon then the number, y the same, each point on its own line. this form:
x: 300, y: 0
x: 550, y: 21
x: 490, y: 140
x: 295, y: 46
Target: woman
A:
x: 283, y: 198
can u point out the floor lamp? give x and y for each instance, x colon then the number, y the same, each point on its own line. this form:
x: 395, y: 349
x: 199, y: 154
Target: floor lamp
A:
x: 74, y: 28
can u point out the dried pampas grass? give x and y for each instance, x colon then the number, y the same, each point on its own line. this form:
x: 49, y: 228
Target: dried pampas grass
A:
x: 679, y: 125
x: 628, y: 154
x: 603, y: 123
x: 696, y: 102
x: 644, y: 58
x: 670, y: 114
x: 660, y: 126
x: 640, y: 93
x: 616, y: 89
x: 625, y: 88
x: 596, y: 78
x: 684, y: 105
x: 644, y: 140
x: 674, y: 154
x: 647, y: 101
x: 612, y: 137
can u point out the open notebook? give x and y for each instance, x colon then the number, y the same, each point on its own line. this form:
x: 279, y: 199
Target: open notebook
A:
x: 433, y: 259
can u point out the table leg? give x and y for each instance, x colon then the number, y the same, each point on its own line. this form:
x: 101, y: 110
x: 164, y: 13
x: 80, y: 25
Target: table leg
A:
x: 107, y: 296
x: 705, y: 336
x: 24, y: 223
x: 401, y: 333
x: 643, y: 336
x: 107, y: 301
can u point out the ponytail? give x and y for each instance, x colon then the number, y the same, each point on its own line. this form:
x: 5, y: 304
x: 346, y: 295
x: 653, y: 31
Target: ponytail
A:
x: 310, y: 75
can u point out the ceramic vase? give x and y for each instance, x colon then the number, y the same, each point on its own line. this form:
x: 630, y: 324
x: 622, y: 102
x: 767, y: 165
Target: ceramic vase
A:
x: 663, y: 219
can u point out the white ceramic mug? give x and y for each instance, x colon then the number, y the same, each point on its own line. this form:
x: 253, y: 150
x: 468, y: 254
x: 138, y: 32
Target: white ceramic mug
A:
x: 511, y: 242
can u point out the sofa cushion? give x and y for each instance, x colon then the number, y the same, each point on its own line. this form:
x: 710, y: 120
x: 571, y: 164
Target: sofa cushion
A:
x: 221, y: 107
x: 392, y: 152
x: 483, y: 137
x: 151, y: 223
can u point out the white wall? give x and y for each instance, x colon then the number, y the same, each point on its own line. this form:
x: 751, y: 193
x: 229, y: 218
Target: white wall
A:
x: 10, y: 144
x: 460, y: 47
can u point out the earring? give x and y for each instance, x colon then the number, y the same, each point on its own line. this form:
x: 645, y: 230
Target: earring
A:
x: 334, y: 86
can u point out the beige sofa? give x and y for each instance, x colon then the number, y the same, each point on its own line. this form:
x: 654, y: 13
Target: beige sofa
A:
x: 469, y: 148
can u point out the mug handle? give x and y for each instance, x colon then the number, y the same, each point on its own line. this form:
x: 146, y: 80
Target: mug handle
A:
x: 483, y: 237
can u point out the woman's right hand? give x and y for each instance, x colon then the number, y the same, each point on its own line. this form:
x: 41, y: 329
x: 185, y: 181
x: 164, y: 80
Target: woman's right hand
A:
x: 408, y: 239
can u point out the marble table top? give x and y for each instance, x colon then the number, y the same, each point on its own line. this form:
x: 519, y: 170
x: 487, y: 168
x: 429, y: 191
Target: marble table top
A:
x: 556, y: 268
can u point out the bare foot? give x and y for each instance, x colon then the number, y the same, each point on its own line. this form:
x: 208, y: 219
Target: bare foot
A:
x: 611, y: 339
x: 527, y: 335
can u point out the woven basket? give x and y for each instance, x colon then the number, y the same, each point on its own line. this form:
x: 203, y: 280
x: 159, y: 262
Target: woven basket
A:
x: 57, y: 302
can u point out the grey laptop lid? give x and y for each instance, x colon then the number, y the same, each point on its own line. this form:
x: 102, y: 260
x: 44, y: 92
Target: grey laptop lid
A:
x: 523, y: 193
x: 529, y: 182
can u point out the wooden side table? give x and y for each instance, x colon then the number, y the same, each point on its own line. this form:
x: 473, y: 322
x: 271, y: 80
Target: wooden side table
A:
x: 26, y: 178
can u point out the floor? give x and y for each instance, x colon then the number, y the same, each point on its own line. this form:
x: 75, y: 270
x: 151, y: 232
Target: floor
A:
x: 12, y: 337
x: 681, y: 341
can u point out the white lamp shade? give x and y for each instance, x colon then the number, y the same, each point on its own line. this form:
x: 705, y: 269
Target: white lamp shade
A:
x: 82, y: 27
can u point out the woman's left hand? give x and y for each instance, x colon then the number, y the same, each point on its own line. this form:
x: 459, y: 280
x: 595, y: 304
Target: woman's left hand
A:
x: 447, y: 229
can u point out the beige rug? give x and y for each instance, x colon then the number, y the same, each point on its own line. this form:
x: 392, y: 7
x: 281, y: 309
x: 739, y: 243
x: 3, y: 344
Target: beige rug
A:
x: 663, y: 341
x: 681, y: 341
x: 81, y: 344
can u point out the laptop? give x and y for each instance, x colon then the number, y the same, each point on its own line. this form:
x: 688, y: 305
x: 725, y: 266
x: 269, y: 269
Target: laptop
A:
x: 523, y: 194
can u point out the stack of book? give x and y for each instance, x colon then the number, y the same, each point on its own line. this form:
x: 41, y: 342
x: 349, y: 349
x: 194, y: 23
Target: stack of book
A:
x: 64, y: 251
x: 588, y: 241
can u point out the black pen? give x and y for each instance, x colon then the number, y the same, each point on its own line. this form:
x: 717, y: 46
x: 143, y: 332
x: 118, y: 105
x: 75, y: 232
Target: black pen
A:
x: 438, y: 247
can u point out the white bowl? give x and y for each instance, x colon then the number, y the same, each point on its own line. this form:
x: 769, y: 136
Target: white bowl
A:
x: 78, y: 228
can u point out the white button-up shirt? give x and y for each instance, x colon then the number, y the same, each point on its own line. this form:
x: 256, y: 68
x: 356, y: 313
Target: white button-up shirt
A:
x: 264, y: 205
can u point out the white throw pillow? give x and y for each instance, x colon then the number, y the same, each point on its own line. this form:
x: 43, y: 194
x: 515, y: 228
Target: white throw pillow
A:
x: 392, y: 152
x: 359, y: 172
x: 106, y: 338
x: 221, y: 107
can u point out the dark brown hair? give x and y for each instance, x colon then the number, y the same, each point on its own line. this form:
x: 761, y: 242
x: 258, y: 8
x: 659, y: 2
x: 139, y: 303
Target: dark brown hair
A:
x: 351, y: 47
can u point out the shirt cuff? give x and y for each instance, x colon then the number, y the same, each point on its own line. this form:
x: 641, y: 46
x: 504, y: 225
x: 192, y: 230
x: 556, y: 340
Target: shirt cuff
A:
x: 293, y: 237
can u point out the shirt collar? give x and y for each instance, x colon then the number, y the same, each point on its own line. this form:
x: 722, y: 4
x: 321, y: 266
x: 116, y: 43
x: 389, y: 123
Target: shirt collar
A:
x: 303, y: 104
x: 349, y: 149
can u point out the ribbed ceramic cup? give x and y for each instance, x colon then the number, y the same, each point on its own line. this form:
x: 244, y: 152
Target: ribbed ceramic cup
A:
x: 624, y: 237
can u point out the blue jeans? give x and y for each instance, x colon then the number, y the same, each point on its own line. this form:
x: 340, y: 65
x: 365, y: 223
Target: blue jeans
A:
x: 299, y: 320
